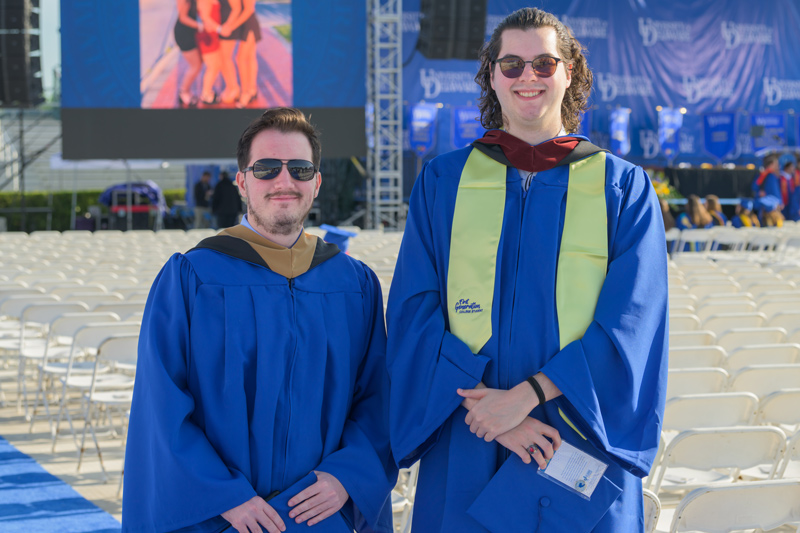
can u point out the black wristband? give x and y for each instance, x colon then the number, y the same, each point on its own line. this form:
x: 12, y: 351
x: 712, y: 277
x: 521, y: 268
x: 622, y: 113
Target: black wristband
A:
x: 537, y: 389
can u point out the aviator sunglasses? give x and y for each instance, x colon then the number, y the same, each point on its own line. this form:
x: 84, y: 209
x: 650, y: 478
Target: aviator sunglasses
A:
x: 267, y: 169
x: 513, y: 66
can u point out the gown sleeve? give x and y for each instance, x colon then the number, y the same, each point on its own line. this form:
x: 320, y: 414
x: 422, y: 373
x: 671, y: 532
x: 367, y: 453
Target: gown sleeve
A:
x: 614, y: 379
x: 363, y: 464
x: 426, y: 362
x: 173, y: 475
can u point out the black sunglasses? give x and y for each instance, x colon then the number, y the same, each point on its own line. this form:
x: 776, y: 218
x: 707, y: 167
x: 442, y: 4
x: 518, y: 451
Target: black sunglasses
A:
x: 513, y: 66
x: 267, y: 169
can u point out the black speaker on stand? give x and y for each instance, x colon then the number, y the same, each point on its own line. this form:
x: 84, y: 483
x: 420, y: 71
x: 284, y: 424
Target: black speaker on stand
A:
x: 451, y: 29
x: 20, y: 57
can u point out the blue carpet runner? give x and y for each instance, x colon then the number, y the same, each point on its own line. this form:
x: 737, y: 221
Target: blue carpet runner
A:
x: 31, y: 499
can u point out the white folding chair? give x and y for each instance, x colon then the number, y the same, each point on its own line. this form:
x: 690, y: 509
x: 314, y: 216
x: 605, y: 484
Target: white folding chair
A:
x: 721, y: 508
x: 55, y: 360
x: 790, y: 466
x: 698, y: 240
x: 710, y: 410
x: 123, y: 309
x: 715, y: 288
x: 682, y: 300
x: 696, y: 457
x: 652, y: 509
x: 787, y: 320
x: 673, y: 236
x: 780, y: 407
x: 93, y: 300
x: 763, y: 354
x: 683, y: 322
x: 110, y: 390
x: 691, y: 338
x: 403, y: 498
x: 706, y: 309
x: 696, y: 357
x: 683, y: 381
x: 722, y: 322
x: 762, y: 380
x: 42, y: 314
x: 738, y: 337
x: 87, y: 339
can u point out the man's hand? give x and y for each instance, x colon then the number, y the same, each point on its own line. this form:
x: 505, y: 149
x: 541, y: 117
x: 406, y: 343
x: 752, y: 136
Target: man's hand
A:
x: 319, y: 501
x: 497, y: 411
x: 252, y: 514
x: 532, y: 432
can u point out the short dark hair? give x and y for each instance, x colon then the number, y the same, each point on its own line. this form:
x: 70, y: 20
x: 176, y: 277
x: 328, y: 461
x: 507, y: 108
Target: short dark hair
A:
x: 570, y: 50
x: 283, y: 119
x: 769, y: 159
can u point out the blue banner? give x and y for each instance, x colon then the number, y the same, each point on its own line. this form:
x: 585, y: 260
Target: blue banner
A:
x: 670, y: 121
x: 719, y: 134
x: 466, y: 126
x: 423, y: 128
x: 768, y: 130
x: 586, y: 123
x: 620, y: 131
x: 675, y: 54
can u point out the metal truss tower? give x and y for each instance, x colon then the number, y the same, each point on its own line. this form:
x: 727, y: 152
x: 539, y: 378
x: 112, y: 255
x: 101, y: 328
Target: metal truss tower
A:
x: 385, y: 115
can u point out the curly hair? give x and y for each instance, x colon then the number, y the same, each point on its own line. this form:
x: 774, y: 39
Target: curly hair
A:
x: 570, y: 50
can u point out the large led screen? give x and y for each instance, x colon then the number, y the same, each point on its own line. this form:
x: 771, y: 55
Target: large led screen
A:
x: 182, y: 78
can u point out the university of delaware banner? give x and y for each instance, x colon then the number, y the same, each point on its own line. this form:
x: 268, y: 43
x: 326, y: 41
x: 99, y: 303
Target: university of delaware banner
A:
x: 620, y: 131
x: 719, y: 134
x: 423, y: 128
x: 768, y: 130
x: 670, y: 121
x: 707, y: 57
x: 466, y: 126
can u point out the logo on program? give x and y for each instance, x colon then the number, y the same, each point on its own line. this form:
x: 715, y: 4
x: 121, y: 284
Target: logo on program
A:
x: 464, y: 306
x: 580, y: 485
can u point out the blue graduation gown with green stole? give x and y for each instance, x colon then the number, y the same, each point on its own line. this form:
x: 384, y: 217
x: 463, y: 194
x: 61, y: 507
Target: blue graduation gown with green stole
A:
x: 248, y: 381
x: 613, y: 380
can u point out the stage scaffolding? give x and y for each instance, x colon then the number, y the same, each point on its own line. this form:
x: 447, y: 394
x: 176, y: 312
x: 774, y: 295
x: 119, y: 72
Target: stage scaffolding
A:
x: 385, y: 206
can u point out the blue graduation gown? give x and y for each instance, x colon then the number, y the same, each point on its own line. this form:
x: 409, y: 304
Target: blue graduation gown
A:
x: 247, y: 382
x: 613, y: 379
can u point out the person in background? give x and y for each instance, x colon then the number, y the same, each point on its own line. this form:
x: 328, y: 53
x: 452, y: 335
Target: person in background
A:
x: 767, y: 183
x: 666, y: 213
x: 790, y: 183
x: 714, y: 209
x: 745, y: 217
x: 769, y: 211
x: 226, y: 204
x: 186, y: 28
x: 695, y: 215
x: 261, y: 397
x: 202, y: 205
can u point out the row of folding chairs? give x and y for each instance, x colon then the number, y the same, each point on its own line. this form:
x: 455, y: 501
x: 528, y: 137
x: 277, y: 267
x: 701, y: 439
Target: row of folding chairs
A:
x: 725, y: 507
x: 760, y: 380
x: 738, y: 358
x: 697, y: 457
x: 712, y: 242
x: 719, y: 323
x: 734, y: 338
x: 769, y: 305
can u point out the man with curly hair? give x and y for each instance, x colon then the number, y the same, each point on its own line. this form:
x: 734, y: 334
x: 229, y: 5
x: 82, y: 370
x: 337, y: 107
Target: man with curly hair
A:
x: 527, y: 317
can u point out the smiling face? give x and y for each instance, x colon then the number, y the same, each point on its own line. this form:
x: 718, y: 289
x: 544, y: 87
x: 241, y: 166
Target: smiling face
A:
x: 531, y: 104
x: 277, y: 208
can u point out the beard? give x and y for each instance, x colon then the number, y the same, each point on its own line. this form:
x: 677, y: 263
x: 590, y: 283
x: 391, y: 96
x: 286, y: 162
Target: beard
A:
x: 282, y: 222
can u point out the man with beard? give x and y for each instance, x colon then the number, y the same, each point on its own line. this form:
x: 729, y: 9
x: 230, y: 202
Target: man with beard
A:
x: 261, y: 389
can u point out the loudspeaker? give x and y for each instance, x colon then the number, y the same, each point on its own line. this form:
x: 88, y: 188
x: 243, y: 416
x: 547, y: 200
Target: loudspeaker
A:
x: 451, y: 29
x: 20, y: 64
